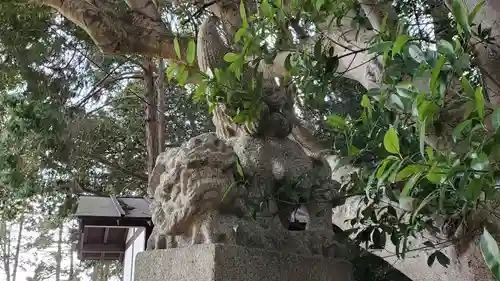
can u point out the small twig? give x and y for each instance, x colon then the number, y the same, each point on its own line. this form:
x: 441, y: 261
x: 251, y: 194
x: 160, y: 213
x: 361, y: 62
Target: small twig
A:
x: 199, y: 12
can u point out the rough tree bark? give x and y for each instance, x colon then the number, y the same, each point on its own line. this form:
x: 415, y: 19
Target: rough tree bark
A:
x: 160, y: 105
x: 151, y: 115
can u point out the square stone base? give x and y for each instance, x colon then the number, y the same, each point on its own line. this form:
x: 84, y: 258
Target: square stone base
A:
x: 219, y: 262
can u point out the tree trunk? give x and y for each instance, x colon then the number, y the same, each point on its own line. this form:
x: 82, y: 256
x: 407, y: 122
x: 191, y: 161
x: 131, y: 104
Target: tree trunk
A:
x: 5, y: 249
x: 71, y: 263
x: 161, y: 106
x: 151, y: 115
x: 96, y: 272
x: 59, y: 251
x: 105, y: 271
x: 18, y: 247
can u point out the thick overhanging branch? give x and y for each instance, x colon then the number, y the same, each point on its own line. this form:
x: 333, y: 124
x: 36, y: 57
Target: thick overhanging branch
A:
x: 148, y: 14
x: 350, y: 45
x: 376, y: 11
x: 119, y: 33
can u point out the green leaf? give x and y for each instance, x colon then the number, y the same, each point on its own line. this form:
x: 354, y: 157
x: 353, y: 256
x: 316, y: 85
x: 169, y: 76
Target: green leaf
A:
x: 171, y: 71
x: 364, y: 117
x: 385, y: 176
x: 381, y: 47
x: 466, y: 86
x: 406, y: 203
x: 435, y: 73
x: 495, y: 118
x: 379, y: 238
x: 191, y: 52
x: 410, y: 184
x: 442, y: 258
x: 424, y: 202
x: 353, y: 150
x: 391, y: 141
x: 416, y: 53
x: 399, y: 43
x: 462, y: 130
x: 470, y: 106
x: 474, y: 189
x: 396, y: 101
x: 365, y: 102
x: 426, y: 109
x: 480, y: 162
x: 211, y: 107
x: 491, y: 254
x: 409, y: 170
x: 288, y: 62
x: 475, y: 10
x: 459, y: 11
x: 231, y: 57
x: 394, y: 172
x: 437, y: 174
x: 336, y: 121
x: 479, y: 98
x: 405, y: 92
x: 200, y: 91
x: 319, y: 4
x: 395, y: 238
x: 177, y: 48
x: 421, y: 136
x: 383, y: 26
x: 239, y: 34
x: 265, y: 8
x: 445, y: 48
x: 182, y: 76
x: 383, y: 166
x: 431, y: 258
x: 243, y: 14
x: 430, y: 153
x: 317, y: 51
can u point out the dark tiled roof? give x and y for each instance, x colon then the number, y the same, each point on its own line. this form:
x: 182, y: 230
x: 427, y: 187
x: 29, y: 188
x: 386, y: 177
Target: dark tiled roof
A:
x: 102, y: 206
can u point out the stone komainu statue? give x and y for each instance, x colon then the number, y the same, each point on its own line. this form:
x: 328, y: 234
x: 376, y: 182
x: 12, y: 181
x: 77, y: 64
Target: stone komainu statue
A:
x: 192, y: 185
x: 198, y: 200
x: 196, y: 196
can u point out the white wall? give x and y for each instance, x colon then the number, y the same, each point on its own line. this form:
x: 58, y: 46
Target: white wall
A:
x: 136, y: 247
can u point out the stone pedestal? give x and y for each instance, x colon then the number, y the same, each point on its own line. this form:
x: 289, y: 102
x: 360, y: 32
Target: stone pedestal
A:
x: 219, y: 262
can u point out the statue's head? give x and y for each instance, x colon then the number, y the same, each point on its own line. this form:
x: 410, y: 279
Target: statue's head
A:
x: 193, y: 180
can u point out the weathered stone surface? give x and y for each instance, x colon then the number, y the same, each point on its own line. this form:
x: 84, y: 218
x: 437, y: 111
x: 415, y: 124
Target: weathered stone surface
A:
x: 198, y: 199
x: 192, y: 185
x: 220, y: 262
x: 281, y: 167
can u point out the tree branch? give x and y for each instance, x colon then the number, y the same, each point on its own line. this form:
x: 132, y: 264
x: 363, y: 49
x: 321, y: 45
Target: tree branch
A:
x: 117, y: 167
x: 117, y: 33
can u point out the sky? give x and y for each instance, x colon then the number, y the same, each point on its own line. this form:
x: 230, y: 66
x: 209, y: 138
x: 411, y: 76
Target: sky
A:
x: 34, y: 255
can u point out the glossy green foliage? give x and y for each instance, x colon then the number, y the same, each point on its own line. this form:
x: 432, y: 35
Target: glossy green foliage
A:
x: 386, y: 131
